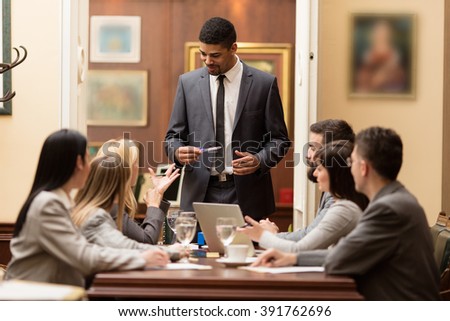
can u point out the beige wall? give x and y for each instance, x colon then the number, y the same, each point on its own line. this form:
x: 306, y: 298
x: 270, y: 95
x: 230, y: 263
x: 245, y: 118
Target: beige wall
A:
x: 418, y: 121
x: 36, y: 26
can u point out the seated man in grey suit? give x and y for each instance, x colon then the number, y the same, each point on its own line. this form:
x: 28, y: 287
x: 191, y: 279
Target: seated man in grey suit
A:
x: 227, y: 127
x: 390, y: 252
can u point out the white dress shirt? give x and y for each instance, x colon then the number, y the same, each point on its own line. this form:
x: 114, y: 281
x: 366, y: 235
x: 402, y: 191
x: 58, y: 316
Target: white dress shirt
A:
x: 232, y: 84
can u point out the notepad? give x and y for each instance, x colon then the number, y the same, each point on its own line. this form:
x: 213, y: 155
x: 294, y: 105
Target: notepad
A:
x: 279, y: 270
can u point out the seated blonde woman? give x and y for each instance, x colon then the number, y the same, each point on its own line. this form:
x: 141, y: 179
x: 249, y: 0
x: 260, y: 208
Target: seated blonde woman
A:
x: 150, y: 228
x: 333, y: 176
x: 107, y: 184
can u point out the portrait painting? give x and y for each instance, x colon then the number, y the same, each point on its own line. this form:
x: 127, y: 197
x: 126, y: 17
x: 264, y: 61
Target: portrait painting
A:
x: 382, y: 55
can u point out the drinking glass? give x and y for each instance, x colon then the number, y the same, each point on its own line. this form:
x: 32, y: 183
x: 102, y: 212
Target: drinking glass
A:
x: 185, y: 231
x: 188, y: 214
x: 226, y: 230
x: 171, y: 218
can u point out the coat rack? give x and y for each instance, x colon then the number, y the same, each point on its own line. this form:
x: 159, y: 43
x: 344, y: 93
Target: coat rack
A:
x: 4, y: 67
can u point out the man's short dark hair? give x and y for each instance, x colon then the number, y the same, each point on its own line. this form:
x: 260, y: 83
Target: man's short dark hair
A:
x: 333, y: 129
x: 218, y: 31
x: 383, y: 149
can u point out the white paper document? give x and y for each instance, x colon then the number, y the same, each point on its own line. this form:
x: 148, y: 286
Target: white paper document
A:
x: 288, y: 269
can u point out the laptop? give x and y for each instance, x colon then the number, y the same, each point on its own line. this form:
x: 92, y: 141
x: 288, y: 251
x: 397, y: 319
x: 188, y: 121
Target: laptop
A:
x: 207, y: 214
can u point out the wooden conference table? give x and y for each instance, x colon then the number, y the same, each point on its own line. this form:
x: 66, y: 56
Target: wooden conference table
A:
x: 220, y: 283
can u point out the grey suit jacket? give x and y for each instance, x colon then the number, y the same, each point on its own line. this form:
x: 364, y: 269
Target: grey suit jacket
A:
x: 150, y: 228
x: 259, y: 128
x: 51, y: 249
x: 340, y: 220
x: 325, y: 202
x: 389, y: 253
x: 100, y: 228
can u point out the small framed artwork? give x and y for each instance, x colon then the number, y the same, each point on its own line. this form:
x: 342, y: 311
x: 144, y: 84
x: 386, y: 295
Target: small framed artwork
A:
x: 117, y: 98
x: 93, y: 148
x: 382, y: 62
x: 273, y: 58
x: 115, y: 39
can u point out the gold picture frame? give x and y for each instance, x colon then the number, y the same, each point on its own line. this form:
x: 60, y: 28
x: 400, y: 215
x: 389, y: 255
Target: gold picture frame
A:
x: 274, y: 58
x: 382, y: 55
x: 117, y: 98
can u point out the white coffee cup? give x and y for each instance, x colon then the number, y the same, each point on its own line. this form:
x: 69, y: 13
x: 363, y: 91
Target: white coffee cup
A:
x: 237, y: 252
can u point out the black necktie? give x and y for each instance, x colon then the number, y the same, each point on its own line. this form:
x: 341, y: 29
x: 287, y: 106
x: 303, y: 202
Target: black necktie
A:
x: 220, y: 125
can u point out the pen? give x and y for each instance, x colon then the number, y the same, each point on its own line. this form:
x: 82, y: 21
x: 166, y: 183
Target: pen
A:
x: 245, y: 225
x: 210, y: 149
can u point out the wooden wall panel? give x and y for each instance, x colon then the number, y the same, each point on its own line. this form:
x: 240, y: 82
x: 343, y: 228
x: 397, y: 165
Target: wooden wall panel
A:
x: 154, y: 52
x: 166, y: 26
x: 6, y: 231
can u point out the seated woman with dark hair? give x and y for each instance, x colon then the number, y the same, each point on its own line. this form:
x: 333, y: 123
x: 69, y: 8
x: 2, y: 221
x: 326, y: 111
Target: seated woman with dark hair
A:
x: 106, y: 186
x: 334, y: 176
x: 46, y: 245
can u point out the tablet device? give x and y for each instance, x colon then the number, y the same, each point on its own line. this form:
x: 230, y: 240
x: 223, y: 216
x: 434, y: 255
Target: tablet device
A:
x: 173, y: 192
x: 207, y: 214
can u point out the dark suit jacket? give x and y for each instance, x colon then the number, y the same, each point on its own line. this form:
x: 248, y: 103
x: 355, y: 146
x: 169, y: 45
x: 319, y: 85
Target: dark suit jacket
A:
x: 259, y: 128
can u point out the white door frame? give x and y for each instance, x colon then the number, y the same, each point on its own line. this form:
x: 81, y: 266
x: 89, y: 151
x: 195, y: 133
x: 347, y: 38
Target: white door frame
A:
x: 305, y: 102
x: 74, y: 48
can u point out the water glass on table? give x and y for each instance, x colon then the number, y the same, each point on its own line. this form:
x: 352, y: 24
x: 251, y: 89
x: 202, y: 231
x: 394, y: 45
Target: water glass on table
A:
x: 188, y: 214
x: 226, y: 230
x: 185, y: 230
x: 171, y: 218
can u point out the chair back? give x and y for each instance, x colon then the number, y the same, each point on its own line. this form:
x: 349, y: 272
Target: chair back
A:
x: 441, y: 224
x: 445, y: 284
x: 440, y: 233
x: 2, y: 271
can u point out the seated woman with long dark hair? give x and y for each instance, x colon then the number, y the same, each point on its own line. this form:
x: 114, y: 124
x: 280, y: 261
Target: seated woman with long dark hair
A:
x: 334, y: 176
x: 46, y: 245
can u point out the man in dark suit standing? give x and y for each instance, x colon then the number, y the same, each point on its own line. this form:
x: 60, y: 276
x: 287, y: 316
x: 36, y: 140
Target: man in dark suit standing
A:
x: 227, y: 127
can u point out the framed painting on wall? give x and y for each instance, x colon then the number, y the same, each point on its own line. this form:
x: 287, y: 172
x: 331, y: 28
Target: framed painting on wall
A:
x: 117, y: 98
x: 274, y: 58
x: 93, y: 148
x: 115, y: 39
x: 382, y: 60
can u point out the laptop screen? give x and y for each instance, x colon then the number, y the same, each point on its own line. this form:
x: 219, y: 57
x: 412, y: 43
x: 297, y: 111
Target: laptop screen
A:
x: 207, y: 214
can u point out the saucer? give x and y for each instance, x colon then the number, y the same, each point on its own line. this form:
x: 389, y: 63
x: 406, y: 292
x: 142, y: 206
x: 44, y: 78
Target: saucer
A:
x: 230, y: 263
